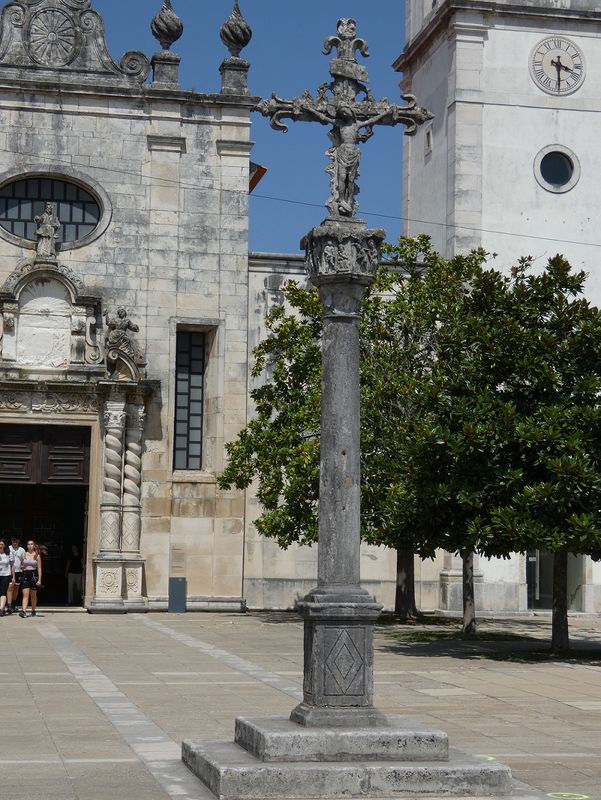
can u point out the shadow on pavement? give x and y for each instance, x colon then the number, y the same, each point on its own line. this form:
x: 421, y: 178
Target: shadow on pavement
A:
x: 526, y: 652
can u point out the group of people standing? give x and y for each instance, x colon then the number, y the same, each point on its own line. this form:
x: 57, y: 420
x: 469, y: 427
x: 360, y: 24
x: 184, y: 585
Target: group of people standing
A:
x: 20, y: 570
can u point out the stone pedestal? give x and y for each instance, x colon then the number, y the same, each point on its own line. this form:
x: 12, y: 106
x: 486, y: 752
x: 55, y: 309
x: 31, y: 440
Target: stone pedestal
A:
x: 338, y: 653
x: 108, y: 584
x: 275, y: 758
x: 165, y: 70
x: 118, y: 582
x: 133, y: 576
x: 234, y: 76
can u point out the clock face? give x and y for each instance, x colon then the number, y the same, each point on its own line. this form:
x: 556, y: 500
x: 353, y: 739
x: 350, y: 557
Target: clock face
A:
x: 557, y: 65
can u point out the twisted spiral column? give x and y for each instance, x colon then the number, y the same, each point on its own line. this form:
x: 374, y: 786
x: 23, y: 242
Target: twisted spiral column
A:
x: 130, y: 540
x: 110, y: 509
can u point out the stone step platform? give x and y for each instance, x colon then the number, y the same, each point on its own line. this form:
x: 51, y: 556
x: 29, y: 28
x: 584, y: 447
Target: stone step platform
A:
x: 280, y: 739
x: 232, y: 773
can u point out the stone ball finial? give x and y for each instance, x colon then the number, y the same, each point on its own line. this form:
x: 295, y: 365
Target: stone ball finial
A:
x: 167, y: 27
x: 235, y: 33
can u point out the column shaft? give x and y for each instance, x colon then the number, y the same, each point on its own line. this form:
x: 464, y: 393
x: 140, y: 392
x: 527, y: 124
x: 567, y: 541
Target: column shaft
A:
x: 132, y: 482
x: 110, y: 510
x: 339, y: 492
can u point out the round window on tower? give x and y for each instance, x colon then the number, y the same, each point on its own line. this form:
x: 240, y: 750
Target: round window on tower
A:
x: 557, y: 169
x: 84, y: 211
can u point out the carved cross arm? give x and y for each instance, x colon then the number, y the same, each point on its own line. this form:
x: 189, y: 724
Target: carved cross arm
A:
x: 410, y: 115
x: 301, y: 109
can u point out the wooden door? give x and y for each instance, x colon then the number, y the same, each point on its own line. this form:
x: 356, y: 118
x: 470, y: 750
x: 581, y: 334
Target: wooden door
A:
x: 46, y: 454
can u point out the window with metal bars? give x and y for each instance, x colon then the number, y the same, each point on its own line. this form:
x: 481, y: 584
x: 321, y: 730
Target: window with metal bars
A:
x: 23, y: 200
x: 189, y: 394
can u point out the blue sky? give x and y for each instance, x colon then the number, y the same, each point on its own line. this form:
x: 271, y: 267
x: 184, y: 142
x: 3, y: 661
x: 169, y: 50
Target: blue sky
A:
x: 286, y: 57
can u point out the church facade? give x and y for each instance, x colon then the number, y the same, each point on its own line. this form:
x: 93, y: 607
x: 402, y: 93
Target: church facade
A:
x: 129, y: 308
x: 509, y: 163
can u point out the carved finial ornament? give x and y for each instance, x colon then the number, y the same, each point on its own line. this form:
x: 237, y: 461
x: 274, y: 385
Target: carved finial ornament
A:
x: 348, y: 105
x: 167, y: 27
x: 235, y: 33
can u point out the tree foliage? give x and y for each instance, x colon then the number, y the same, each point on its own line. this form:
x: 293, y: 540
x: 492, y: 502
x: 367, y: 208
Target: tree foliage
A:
x: 480, y: 414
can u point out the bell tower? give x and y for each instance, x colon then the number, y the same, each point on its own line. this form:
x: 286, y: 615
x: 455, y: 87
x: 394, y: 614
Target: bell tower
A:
x: 510, y: 161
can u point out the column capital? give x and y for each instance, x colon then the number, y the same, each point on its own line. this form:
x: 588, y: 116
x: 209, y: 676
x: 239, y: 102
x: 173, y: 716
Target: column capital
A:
x: 114, y: 414
x: 343, y: 254
x: 136, y: 415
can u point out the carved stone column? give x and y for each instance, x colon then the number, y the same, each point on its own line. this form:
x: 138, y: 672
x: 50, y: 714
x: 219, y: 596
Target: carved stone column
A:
x: 110, y: 509
x: 342, y: 258
x: 132, y: 507
x: 130, y: 540
x: 108, y: 566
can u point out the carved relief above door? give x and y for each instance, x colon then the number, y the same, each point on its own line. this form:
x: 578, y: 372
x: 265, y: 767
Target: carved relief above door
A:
x: 48, y: 322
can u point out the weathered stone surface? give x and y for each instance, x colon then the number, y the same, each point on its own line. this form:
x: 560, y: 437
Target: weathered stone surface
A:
x: 280, y: 739
x: 233, y: 774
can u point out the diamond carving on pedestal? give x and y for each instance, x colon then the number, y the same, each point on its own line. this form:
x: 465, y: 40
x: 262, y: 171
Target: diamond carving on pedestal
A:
x: 51, y: 38
x: 343, y: 665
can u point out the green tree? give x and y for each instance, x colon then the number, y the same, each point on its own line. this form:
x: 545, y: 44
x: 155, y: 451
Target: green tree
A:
x: 479, y: 401
x: 555, y: 385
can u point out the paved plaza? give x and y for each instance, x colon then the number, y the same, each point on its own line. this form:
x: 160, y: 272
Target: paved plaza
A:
x: 96, y: 707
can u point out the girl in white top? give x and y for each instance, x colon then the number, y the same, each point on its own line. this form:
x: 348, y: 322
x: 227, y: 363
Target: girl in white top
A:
x: 7, y: 572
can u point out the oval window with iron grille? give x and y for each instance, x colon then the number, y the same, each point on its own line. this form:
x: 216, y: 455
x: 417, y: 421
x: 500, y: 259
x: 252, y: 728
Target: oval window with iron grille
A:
x: 22, y: 200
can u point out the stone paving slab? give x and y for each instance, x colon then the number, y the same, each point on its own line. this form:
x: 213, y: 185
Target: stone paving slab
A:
x: 191, y: 675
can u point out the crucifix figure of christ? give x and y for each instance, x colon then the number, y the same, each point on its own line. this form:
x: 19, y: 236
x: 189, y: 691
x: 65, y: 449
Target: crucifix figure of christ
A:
x: 349, y: 107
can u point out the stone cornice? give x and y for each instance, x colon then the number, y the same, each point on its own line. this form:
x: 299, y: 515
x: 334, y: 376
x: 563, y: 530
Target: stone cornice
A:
x: 577, y: 11
x: 144, y: 93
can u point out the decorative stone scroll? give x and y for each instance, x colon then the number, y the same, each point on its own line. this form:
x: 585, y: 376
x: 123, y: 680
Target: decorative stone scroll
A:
x: 64, y: 36
x: 20, y: 275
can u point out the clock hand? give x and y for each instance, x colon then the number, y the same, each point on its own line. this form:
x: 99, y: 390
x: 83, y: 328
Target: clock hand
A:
x: 558, y: 65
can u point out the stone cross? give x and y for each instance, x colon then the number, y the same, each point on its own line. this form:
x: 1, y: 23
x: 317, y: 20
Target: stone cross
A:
x: 343, y: 255
x: 348, y: 105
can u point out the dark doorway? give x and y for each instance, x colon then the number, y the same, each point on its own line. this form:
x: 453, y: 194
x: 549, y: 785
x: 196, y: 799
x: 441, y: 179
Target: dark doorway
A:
x: 44, y: 496
x: 54, y: 517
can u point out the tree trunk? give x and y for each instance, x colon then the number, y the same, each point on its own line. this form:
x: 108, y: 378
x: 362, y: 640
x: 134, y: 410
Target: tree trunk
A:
x: 469, y: 605
x: 560, y: 640
x: 404, y: 602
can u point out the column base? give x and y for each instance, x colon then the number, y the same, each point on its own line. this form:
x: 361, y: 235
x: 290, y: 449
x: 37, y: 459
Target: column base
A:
x: 338, y: 683
x: 133, y: 569
x: 118, y: 581
x: 320, y: 716
x: 274, y: 758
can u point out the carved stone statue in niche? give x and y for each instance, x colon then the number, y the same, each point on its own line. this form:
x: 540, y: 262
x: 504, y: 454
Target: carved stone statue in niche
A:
x: 47, y: 233
x: 117, y: 337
